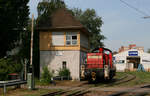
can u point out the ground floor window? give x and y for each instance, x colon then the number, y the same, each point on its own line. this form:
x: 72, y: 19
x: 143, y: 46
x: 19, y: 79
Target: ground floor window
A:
x: 64, y: 64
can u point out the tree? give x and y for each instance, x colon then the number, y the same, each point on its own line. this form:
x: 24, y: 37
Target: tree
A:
x: 93, y: 23
x: 9, y: 65
x: 46, y: 75
x: 14, y: 19
x: 46, y: 8
x: 148, y: 51
x: 25, y: 47
x: 115, y: 52
x: 64, y: 72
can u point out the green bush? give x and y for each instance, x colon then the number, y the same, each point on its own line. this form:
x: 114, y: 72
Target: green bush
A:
x: 46, y: 75
x: 7, y: 66
x: 64, y: 72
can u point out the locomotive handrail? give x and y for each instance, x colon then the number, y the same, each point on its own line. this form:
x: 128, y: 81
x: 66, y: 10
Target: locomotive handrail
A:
x: 103, y: 48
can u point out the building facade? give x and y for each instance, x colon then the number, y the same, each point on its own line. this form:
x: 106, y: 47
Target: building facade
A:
x: 63, y: 44
x: 131, y: 58
x: 131, y: 46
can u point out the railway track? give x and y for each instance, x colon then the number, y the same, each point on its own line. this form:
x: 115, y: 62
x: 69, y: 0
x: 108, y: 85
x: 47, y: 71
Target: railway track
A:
x: 127, y: 78
x: 129, y: 94
x: 79, y: 92
x: 124, y: 79
x: 83, y: 88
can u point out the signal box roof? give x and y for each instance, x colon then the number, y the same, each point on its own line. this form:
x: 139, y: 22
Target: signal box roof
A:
x: 62, y: 19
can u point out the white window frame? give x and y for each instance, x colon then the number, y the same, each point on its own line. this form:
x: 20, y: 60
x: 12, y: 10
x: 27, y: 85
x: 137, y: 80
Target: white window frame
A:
x: 69, y: 38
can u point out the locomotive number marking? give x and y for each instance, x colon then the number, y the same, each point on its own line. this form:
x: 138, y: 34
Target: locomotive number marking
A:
x: 95, y: 57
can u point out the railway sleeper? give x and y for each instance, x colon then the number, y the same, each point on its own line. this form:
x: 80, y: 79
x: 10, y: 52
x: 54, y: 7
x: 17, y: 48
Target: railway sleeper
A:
x: 51, y: 93
x: 123, y: 93
x: 129, y: 78
x: 60, y: 93
x: 82, y: 93
x: 73, y: 93
x: 56, y: 93
x: 141, y: 94
x: 118, y: 94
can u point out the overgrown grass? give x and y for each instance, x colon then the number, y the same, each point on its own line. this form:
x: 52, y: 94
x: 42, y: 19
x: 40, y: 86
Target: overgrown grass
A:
x: 119, y: 75
x: 26, y: 92
x: 38, y: 82
x: 141, y: 78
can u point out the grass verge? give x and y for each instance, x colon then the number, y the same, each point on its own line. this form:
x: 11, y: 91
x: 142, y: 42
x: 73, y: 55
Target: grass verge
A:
x: 141, y: 78
x: 26, y: 92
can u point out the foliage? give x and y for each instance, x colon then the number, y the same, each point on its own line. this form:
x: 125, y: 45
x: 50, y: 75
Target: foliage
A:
x: 14, y: 17
x: 93, y: 23
x: 46, y: 75
x: 24, y: 51
x: 8, y: 65
x: 115, y: 52
x: 64, y: 72
x: 148, y: 51
x: 46, y: 8
x: 142, y: 77
x: 25, y: 92
x: 25, y: 47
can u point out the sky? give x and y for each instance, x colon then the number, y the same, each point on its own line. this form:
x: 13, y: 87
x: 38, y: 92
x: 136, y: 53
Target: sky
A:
x: 122, y: 26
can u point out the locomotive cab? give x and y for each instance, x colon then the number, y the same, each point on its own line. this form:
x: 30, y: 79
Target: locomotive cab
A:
x: 99, y: 65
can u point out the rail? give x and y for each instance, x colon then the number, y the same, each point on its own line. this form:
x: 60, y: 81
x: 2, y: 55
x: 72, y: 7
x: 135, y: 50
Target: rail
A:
x: 128, y: 78
x: 69, y: 92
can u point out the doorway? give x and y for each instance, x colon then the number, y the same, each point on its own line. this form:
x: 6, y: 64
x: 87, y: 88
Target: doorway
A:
x: 134, y: 60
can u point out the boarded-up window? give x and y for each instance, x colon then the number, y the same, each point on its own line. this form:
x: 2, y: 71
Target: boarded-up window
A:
x: 58, y: 38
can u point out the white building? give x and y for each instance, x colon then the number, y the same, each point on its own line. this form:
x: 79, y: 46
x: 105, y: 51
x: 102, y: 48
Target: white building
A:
x: 130, y: 60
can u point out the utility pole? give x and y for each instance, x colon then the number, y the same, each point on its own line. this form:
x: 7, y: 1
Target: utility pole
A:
x: 30, y: 81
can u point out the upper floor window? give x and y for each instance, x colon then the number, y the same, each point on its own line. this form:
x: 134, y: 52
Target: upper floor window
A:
x: 71, y: 38
x: 57, y: 38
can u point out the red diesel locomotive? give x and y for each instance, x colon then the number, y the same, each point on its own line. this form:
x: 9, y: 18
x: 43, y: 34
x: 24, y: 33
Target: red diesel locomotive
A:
x: 99, y: 65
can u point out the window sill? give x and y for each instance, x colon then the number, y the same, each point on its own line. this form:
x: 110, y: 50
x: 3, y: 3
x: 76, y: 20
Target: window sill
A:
x: 64, y: 45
